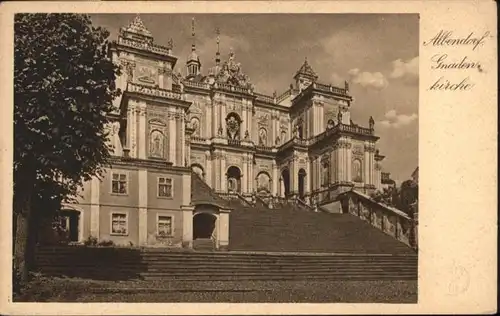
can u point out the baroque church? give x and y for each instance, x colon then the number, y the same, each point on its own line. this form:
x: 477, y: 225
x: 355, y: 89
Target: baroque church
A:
x: 185, y: 140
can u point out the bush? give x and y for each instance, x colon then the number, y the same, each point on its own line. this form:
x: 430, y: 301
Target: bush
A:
x: 106, y: 243
x: 90, y: 241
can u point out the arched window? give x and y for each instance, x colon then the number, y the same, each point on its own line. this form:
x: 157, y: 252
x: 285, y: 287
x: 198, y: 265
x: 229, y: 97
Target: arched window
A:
x: 263, y: 183
x: 283, y: 137
x: 157, y: 144
x: 357, y: 171
x: 262, y: 137
x: 325, y: 166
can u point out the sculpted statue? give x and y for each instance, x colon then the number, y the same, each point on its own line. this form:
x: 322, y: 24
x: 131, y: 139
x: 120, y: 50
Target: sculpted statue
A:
x: 277, y: 140
x: 247, y: 136
x: 371, y: 122
x: 339, y: 117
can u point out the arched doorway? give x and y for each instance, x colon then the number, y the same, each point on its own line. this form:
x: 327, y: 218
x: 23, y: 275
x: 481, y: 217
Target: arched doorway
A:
x: 67, y: 225
x: 233, y: 179
x: 302, y: 178
x: 203, y: 225
x: 285, y: 178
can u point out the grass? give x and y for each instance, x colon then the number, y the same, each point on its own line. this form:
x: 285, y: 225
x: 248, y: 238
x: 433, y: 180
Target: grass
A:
x: 45, y: 289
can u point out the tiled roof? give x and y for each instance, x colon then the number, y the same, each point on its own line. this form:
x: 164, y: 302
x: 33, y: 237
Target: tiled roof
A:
x: 306, y: 70
x: 201, y: 193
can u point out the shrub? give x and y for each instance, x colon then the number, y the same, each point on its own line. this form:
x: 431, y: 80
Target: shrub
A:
x: 90, y: 241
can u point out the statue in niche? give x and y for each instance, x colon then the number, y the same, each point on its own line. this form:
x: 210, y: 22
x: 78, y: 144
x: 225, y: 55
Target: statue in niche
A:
x: 339, y: 117
x: 262, y: 137
x: 194, y: 125
x: 156, y: 144
x: 277, y: 141
x: 247, y: 136
x: 371, y: 122
x: 219, y: 131
x: 330, y: 124
x: 233, y: 127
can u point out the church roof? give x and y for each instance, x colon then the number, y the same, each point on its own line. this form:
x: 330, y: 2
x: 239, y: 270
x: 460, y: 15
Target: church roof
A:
x: 202, y: 193
x: 137, y: 27
x: 306, y: 70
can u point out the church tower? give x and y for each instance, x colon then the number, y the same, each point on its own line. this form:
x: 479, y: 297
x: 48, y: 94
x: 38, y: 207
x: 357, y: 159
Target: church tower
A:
x: 304, y: 76
x: 193, y: 63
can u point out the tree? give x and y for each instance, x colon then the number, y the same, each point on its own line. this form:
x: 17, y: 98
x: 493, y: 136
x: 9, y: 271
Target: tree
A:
x: 64, y: 85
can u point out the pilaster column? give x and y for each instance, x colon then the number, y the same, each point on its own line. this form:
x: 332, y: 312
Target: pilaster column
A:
x: 366, y: 172
x: 250, y: 174
x: 179, y: 128
x: 172, y: 138
x: 246, y: 175
x: 223, y: 184
x: 372, y: 165
x: 217, y: 172
x: 208, y: 121
x: 208, y: 169
x: 295, y: 175
x: 132, y: 131
x: 309, y: 177
x: 142, y: 132
x: 186, y: 189
x: 143, y: 207
x: 94, y: 207
x: 321, y: 121
x: 275, y: 180
x: 223, y: 118
x: 349, y: 161
x: 187, y: 226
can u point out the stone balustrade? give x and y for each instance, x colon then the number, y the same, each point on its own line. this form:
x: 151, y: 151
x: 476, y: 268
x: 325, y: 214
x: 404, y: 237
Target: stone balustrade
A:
x: 231, y: 88
x: 265, y: 98
x: 193, y: 84
x: 153, y: 91
x: 154, y: 48
x: 388, y: 219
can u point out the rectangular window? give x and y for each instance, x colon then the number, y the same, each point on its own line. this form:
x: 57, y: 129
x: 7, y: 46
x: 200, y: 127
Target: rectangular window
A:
x: 119, y: 183
x: 119, y: 224
x: 164, y: 226
x: 165, y: 187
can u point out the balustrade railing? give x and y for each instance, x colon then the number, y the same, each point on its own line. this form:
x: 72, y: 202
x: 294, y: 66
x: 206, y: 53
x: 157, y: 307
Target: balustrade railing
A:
x: 155, y: 48
x: 193, y: 84
x: 265, y: 98
x: 228, y: 87
x: 391, y: 221
x: 263, y: 148
x: 153, y: 91
x: 284, y: 95
x: 234, y: 142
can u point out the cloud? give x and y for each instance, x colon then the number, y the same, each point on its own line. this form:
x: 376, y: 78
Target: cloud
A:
x: 375, y: 80
x: 337, y: 80
x: 395, y: 120
x: 407, y: 71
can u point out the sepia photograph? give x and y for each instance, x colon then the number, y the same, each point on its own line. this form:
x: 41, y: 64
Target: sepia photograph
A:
x: 219, y: 158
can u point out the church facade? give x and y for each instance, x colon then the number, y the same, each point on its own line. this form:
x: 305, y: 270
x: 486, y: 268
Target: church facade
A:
x: 174, y: 119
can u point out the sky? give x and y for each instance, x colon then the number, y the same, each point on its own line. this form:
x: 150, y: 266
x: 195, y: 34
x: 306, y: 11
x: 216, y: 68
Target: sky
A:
x: 376, y: 53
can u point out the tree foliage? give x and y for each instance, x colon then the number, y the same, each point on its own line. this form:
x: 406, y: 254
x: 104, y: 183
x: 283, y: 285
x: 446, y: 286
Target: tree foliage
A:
x: 64, y: 85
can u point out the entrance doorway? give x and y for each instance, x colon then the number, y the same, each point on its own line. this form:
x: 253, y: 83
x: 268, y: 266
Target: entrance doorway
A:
x: 203, y: 226
x: 68, y: 222
x: 302, y: 180
x: 285, y: 177
x: 233, y: 179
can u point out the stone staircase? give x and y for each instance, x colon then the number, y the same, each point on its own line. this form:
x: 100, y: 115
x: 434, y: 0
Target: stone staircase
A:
x: 203, y: 244
x: 158, y: 264
x: 295, y: 230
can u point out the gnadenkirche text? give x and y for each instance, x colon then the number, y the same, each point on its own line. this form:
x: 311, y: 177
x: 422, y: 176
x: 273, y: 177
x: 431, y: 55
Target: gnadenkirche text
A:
x: 445, y: 61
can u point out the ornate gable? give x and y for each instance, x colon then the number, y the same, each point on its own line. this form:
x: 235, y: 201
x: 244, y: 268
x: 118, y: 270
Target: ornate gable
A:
x: 136, y: 30
x: 231, y: 73
x: 306, y: 71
